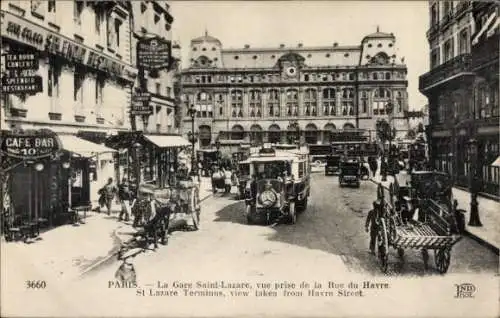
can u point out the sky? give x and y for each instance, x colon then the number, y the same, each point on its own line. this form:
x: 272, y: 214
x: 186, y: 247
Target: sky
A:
x: 313, y: 23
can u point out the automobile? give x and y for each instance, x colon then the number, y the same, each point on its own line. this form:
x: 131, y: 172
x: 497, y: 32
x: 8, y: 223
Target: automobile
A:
x: 349, y: 172
x: 279, y: 185
x: 332, y: 165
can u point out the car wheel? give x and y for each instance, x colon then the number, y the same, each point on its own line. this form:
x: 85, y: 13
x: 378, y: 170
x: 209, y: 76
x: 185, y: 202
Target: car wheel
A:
x: 292, y: 213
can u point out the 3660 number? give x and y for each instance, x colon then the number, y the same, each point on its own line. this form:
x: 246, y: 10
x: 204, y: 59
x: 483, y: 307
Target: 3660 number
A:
x: 36, y: 284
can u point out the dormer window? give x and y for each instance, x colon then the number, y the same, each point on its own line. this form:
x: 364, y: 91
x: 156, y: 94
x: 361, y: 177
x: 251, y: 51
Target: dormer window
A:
x: 204, y: 49
x: 379, y: 45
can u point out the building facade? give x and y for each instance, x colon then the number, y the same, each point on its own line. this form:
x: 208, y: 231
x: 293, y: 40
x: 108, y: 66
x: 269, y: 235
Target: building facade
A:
x: 462, y: 89
x: 252, y: 95
x: 150, y: 19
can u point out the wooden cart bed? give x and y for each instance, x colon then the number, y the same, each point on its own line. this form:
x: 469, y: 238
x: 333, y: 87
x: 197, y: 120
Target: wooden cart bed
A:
x: 422, y: 236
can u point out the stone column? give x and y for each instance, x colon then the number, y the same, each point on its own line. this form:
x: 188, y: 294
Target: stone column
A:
x: 282, y: 102
x: 301, y: 111
x: 338, y: 95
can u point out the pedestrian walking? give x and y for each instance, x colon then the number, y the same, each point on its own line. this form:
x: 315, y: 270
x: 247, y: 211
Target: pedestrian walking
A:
x: 125, y: 197
x: 372, y: 162
x: 383, y: 169
x: 372, y: 225
x: 108, y: 193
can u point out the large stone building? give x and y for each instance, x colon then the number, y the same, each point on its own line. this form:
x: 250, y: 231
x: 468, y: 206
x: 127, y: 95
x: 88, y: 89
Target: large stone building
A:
x: 462, y: 89
x: 251, y: 95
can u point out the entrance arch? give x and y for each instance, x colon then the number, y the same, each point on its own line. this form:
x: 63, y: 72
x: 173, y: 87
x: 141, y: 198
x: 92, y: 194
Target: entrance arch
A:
x: 311, y: 134
x: 256, y: 134
x: 348, y: 126
x: 205, y: 135
x: 274, y: 134
x: 328, y: 132
x: 237, y: 132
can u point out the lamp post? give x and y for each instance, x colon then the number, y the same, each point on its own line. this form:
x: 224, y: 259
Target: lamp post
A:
x: 473, y: 184
x: 217, y: 146
x: 388, y: 109
x: 193, y: 136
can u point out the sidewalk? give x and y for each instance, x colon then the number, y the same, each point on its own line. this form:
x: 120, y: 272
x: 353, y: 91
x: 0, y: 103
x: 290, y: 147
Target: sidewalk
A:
x: 68, y: 250
x: 488, y: 234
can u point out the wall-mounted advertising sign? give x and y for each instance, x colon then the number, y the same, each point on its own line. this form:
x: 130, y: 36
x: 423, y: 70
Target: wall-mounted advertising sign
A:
x: 22, y: 85
x: 22, y: 61
x: 29, y: 146
x: 154, y: 54
x: 140, y: 104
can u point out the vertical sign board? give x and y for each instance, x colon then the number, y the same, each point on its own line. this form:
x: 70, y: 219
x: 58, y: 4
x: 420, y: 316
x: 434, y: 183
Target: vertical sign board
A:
x: 140, y: 104
x: 21, y: 75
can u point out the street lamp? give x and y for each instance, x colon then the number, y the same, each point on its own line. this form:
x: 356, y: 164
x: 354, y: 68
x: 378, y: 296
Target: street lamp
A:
x: 473, y: 184
x: 388, y: 109
x: 193, y: 136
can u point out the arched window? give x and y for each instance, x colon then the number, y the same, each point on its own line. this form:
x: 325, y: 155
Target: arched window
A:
x: 273, y: 103
x: 237, y: 132
x: 328, y: 131
x: 292, y: 102
x: 329, y: 102
x: 310, y: 102
x: 255, y: 105
x: 237, y: 103
x: 348, y: 126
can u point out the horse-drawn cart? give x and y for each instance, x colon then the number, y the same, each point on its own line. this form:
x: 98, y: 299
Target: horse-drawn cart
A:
x: 438, y: 224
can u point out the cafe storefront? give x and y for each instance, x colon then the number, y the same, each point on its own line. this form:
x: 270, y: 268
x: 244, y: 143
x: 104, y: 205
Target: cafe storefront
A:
x: 44, y: 179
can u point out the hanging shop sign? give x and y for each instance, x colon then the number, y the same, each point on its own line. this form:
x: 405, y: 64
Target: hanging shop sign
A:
x: 22, y: 85
x: 22, y: 61
x: 23, y: 31
x: 140, y: 104
x: 29, y: 146
x: 154, y: 53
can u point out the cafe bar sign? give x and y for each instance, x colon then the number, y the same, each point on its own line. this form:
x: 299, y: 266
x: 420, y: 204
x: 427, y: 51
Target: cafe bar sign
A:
x: 43, y: 39
x: 29, y: 146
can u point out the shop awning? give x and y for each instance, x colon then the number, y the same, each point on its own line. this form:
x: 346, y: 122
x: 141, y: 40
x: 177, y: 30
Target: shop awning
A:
x: 82, y: 147
x: 496, y: 163
x: 165, y: 141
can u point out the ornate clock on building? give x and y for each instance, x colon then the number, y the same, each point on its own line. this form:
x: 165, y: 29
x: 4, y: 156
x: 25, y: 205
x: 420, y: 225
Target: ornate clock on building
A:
x: 291, y: 71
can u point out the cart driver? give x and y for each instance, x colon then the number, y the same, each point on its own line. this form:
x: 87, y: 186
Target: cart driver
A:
x: 372, y: 223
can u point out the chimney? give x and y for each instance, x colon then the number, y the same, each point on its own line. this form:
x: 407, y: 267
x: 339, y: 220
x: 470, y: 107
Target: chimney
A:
x: 335, y: 44
x: 282, y: 45
x: 301, y: 45
x: 247, y: 46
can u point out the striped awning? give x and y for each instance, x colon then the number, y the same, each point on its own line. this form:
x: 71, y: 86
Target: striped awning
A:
x: 166, y: 141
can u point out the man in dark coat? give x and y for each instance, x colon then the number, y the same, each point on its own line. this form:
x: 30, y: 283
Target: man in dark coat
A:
x: 124, y: 196
x: 372, y: 162
x: 371, y: 223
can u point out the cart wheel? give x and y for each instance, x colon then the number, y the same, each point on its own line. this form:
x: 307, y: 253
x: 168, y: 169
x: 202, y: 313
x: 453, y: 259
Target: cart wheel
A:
x: 392, y: 229
x: 401, y: 253
x: 442, y: 258
x: 248, y: 212
x: 425, y: 257
x: 383, y: 246
x: 292, y: 213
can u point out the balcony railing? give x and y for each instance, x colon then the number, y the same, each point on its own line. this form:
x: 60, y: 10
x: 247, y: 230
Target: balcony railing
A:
x: 463, y: 7
x: 456, y: 66
x: 484, y: 52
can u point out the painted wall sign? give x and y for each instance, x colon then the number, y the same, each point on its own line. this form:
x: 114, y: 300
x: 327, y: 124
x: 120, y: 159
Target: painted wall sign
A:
x: 18, y: 29
x: 154, y: 54
x: 29, y: 146
x: 22, y: 85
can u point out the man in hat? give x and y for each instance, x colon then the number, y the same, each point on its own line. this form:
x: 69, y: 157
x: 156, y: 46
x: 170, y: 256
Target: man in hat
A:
x: 124, y: 196
x: 371, y: 222
x: 108, y: 193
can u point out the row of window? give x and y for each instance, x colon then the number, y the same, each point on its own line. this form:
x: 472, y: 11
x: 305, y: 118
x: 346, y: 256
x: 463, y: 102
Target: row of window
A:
x: 293, y: 95
x: 457, y: 107
x: 306, y: 77
x: 448, y: 48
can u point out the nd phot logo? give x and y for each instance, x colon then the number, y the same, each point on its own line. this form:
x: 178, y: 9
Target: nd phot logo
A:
x: 465, y: 290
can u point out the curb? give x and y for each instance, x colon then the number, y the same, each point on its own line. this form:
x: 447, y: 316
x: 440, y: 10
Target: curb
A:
x: 481, y: 241
x: 115, y: 250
